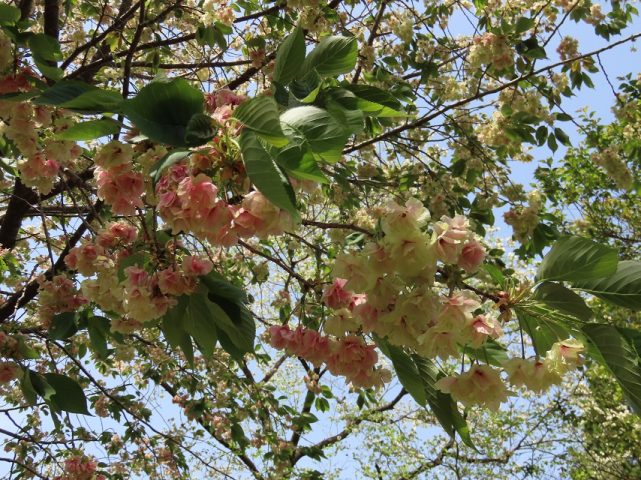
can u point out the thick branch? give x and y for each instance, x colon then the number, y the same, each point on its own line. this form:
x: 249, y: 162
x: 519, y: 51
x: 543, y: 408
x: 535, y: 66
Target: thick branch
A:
x: 28, y: 293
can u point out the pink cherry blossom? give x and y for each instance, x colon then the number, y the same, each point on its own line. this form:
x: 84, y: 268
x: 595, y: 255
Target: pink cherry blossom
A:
x: 196, y: 266
x: 471, y: 257
x: 336, y: 296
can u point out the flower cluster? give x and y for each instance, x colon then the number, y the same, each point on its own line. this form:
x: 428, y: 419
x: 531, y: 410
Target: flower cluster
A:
x: 9, y: 345
x: 80, y: 467
x: 524, y: 220
x: 393, y: 277
x: 141, y: 296
x: 190, y: 203
x: 41, y: 160
x: 491, y: 49
x: 118, y: 184
x: 610, y: 160
x: 221, y: 105
x: 481, y: 385
x: 9, y: 371
x: 349, y: 356
x: 58, y: 295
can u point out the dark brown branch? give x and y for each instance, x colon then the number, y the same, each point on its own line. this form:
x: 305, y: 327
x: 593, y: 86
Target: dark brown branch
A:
x: 300, y: 452
x: 28, y: 293
x: 372, y: 36
x: 22, y: 465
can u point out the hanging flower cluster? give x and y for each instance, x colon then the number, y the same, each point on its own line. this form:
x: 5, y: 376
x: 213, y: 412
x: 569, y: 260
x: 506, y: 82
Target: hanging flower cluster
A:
x: 393, y: 276
x: 190, y: 203
x: 349, y: 356
x: 80, y: 467
x: 491, y: 49
x: 399, y: 301
x: 118, y: 184
x: 141, y: 296
x: 58, y: 295
x: 43, y: 157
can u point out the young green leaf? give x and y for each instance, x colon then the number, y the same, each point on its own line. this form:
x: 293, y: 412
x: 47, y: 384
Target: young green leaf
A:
x: 577, y: 259
x: 260, y: 115
x: 622, y: 288
x: 620, y: 356
x: 333, y: 56
x: 90, y: 130
x: 69, y: 396
x: 162, y: 110
x: 290, y: 57
x: 266, y: 175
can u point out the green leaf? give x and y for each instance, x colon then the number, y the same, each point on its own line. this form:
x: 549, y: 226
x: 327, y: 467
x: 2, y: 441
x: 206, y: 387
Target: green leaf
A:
x: 200, y: 322
x: 9, y: 15
x: 200, y: 129
x: 95, y: 101
x: 69, y: 396
x: 560, y: 298
x: 406, y: 370
x: 496, y: 273
x: 300, y: 163
x: 49, y: 71
x: 260, y: 115
x: 543, y: 331
x: 173, y: 326
x: 351, y: 120
x: 28, y: 390
x: 265, y: 174
x: 221, y: 287
x: 325, y: 136
x: 44, y: 48
x: 45, y: 51
x: 576, y: 259
x: 290, y: 57
x: 237, y: 337
x: 523, y: 24
x: 562, y: 137
x: 621, y: 358
x: 63, y: 326
x: 80, y: 96
x: 98, y: 328
x: 167, y: 161
x: 40, y: 385
x: 90, y: 130
x: 376, y: 102
x: 241, y: 335
x: 442, y: 404
x: 306, y: 89
x: 333, y: 56
x: 162, y: 110
x: 26, y: 351
x: 491, y: 352
x: 211, y: 36
x: 622, y: 288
